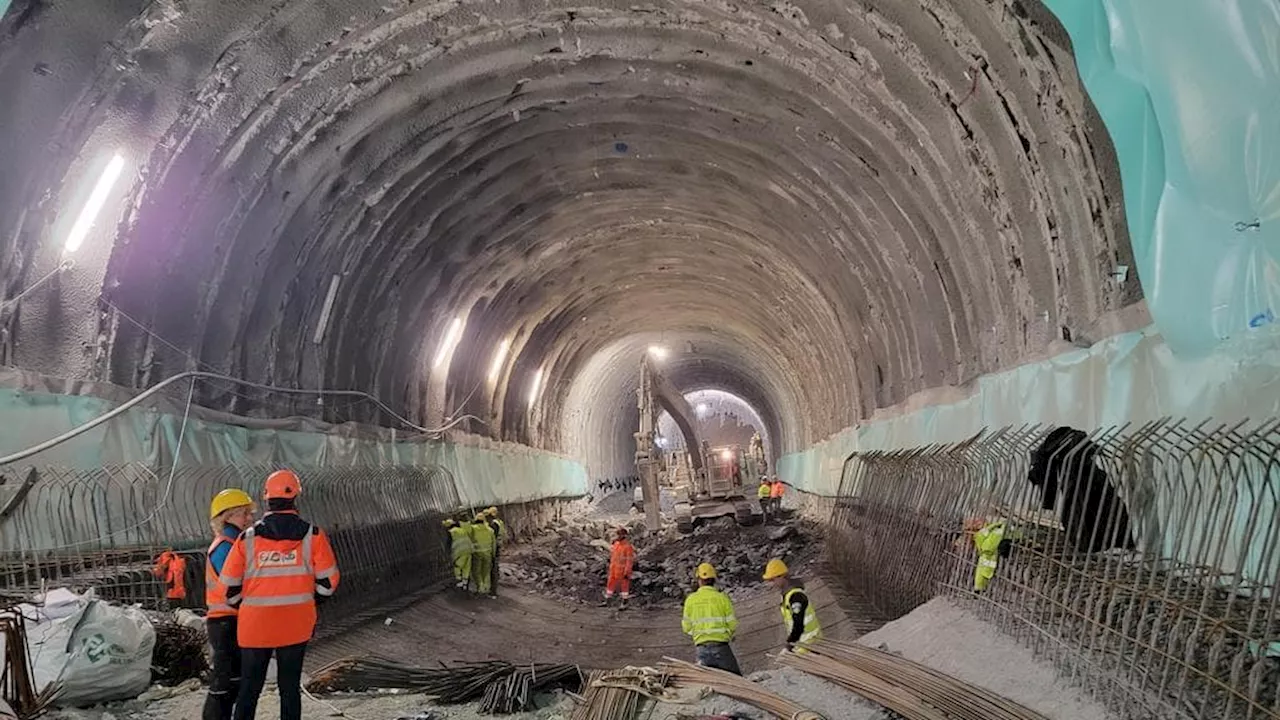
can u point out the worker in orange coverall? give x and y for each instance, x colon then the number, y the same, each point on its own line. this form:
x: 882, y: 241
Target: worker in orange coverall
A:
x: 622, y: 560
x: 172, y: 569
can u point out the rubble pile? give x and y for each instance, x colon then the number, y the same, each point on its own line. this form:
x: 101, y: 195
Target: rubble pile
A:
x: 571, y: 561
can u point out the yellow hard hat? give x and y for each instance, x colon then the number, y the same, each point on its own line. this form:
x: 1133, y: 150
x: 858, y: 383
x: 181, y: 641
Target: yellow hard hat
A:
x: 449, y: 522
x: 491, y: 511
x: 775, y: 569
x: 228, y: 499
x: 706, y: 572
x: 479, y: 517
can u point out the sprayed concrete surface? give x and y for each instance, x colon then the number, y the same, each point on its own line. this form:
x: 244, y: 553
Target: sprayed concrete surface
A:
x: 820, y: 206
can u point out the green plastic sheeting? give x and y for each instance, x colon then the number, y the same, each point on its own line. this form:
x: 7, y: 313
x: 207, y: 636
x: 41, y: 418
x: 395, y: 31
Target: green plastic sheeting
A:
x: 1129, y: 378
x: 486, y: 472
x: 1190, y: 92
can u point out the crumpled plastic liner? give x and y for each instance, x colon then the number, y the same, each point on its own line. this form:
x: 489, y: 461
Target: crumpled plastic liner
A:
x: 1192, y: 99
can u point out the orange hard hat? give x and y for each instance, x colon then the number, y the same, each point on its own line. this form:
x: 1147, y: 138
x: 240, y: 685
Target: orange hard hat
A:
x: 283, y: 484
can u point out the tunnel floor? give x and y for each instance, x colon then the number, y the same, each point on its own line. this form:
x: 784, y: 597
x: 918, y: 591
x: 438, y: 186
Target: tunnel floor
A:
x: 524, y: 626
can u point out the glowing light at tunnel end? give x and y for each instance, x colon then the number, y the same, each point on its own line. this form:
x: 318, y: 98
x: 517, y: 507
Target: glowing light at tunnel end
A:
x: 658, y: 352
x: 98, y: 198
x: 447, y: 345
x: 498, y: 357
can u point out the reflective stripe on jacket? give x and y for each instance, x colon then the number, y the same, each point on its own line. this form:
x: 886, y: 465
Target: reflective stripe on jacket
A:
x: 622, y: 558
x: 482, y: 539
x: 812, y: 631
x: 708, y: 616
x: 460, y: 541
x: 278, y: 582
x: 215, y: 593
x: 987, y: 541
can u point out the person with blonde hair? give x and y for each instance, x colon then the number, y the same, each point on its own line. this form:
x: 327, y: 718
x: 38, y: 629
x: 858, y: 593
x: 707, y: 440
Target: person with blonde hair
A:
x: 229, y: 514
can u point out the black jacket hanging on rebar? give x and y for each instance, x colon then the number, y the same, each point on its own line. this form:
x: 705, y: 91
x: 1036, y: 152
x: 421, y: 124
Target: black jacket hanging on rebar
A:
x: 1092, y: 511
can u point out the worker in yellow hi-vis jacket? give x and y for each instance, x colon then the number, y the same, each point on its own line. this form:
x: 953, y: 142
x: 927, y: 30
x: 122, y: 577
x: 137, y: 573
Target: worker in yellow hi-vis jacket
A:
x: 483, y: 541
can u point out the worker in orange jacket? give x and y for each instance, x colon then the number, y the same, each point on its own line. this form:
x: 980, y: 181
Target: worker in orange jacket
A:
x: 230, y: 512
x: 622, y: 560
x: 775, y: 495
x: 172, y: 569
x: 275, y: 574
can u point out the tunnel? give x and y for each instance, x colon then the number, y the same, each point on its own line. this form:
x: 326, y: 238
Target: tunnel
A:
x: 445, y: 234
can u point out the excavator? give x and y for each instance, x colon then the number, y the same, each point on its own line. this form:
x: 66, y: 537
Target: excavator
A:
x: 709, y: 482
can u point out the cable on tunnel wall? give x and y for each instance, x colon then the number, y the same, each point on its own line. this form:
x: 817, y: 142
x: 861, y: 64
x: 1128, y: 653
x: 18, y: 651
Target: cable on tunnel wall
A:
x: 196, y: 375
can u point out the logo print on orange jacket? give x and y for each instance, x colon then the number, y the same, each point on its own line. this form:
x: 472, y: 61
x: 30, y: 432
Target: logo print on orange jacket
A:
x: 274, y: 574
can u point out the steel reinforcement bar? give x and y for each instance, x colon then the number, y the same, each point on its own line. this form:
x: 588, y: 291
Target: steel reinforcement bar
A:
x: 1142, y: 560
x: 106, y: 528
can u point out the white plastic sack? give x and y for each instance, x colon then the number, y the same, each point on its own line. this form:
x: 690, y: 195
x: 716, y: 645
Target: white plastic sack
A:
x: 99, y: 653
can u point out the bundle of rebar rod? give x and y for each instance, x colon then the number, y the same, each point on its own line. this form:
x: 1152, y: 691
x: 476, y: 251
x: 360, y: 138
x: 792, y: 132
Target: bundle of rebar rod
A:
x: 179, y: 653
x: 607, y: 702
x: 684, y: 674
x: 908, y: 688
x: 17, y: 678
x: 515, y: 692
x: 501, y: 687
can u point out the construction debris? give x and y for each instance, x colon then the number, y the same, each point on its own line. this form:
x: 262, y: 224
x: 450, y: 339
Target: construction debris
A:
x: 572, y: 563
x: 501, y: 688
x: 684, y: 674
x: 910, y: 689
x: 179, y: 654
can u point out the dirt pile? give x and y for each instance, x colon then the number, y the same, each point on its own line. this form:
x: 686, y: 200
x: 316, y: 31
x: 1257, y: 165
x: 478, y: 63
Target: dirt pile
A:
x: 572, y: 561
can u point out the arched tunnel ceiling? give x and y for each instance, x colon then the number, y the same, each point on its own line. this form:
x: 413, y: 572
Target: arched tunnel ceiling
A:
x: 822, y: 206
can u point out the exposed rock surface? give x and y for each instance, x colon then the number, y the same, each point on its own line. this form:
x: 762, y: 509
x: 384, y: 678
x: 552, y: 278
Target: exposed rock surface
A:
x: 571, y: 561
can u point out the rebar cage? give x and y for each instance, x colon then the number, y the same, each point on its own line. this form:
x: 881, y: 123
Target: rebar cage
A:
x: 1162, y: 604
x: 105, y: 529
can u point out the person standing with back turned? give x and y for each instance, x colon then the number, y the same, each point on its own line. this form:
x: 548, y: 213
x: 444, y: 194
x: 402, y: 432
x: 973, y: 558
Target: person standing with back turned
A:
x: 709, y: 619
x: 275, y: 574
x: 499, y: 537
x: 230, y: 512
x: 483, y: 541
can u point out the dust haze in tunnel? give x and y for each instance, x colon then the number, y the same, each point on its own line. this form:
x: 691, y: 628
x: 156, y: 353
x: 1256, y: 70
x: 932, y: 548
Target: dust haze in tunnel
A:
x: 821, y: 206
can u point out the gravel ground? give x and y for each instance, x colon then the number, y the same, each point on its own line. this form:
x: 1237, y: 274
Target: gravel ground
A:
x: 185, y: 703
x: 952, y: 640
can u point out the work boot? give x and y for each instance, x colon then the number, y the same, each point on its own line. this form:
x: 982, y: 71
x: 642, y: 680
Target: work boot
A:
x: 623, y: 605
x: 604, y: 603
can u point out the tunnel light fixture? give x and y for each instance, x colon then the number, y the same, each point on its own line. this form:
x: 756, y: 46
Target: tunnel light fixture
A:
x: 327, y: 310
x: 658, y: 352
x: 450, y: 341
x: 535, y: 387
x: 701, y: 409
x: 498, y: 358
x: 726, y: 454
x: 97, y: 199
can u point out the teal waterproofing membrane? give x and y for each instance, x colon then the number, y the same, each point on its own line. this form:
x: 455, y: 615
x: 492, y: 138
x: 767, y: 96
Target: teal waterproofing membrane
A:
x: 1190, y: 93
